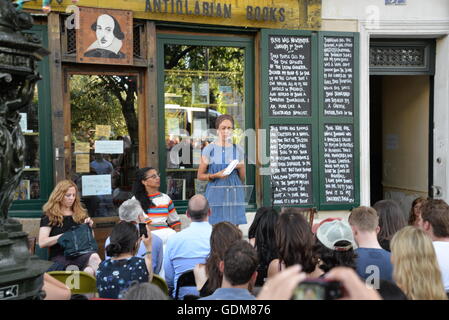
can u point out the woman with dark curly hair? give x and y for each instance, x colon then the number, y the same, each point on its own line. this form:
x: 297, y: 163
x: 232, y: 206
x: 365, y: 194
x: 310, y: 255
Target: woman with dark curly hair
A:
x: 158, y: 207
x: 294, y: 240
x: 262, y: 237
x: 224, y: 234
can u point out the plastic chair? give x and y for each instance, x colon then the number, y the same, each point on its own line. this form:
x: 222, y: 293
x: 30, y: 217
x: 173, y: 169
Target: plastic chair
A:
x: 187, y: 279
x: 160, y: 282
x: 82, y: 281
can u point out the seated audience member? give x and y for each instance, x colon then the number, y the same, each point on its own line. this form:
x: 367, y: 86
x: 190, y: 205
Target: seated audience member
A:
x: 261, y: 236
x: 295, y: 241
x: 371, y: 258
x: 159, y: 208
x: 435, y: 222
x: 415, y: 265
x: 391, y: 219
x: 55, y: 289
x: 144, y: 291
x: 189, y: 247
x: 63, y: 211
x: 115, y: 275
x: 414, y: 218
x: 131, y: 211
x: 283, y: 284
x: 335, y: 245
x: 239, y: 273
x: 224, y: 234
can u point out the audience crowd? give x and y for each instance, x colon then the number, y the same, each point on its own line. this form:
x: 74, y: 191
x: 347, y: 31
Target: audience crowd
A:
x: 377, y: 253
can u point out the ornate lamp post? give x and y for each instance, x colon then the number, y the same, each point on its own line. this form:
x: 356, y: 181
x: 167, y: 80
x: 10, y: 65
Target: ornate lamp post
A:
x: 20, y: 274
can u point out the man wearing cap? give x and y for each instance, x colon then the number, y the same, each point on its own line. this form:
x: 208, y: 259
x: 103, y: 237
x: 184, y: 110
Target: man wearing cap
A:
x: 335, y: 245
x: 131, y: 211
x: 373, y: 262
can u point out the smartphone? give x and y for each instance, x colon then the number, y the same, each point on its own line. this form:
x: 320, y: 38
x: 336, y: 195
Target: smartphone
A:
x: 318, y: 289
x: 143, y: 230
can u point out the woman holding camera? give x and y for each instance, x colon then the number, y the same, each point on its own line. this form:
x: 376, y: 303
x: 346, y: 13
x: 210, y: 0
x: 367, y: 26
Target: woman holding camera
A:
x: 63, y: 211
x: 115, y: 275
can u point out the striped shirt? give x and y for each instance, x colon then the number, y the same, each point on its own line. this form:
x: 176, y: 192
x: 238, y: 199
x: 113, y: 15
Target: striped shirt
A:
x: 163, y: 213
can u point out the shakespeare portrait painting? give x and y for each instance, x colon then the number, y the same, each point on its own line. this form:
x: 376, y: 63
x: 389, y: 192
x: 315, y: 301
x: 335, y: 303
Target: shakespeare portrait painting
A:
x: 105, y: 36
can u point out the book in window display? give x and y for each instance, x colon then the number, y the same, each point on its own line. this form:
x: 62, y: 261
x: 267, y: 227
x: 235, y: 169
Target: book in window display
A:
x: 23, y: 191
x: 176, y: 189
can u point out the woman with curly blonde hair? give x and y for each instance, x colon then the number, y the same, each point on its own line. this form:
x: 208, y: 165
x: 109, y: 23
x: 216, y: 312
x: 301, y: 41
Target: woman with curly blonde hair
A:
x: 63, y: 210
x: 415, y: 266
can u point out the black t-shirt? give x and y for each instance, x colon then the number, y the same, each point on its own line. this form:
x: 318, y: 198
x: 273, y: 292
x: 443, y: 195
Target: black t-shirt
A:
x: 67, y: 223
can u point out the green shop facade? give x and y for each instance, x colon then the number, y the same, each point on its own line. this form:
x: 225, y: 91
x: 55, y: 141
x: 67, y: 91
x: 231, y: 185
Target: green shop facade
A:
x: 291, y: 88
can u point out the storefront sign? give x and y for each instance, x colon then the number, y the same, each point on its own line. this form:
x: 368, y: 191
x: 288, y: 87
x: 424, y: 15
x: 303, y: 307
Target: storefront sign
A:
x: 282, y: 14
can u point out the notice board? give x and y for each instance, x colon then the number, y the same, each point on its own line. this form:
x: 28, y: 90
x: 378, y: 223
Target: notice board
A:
x: 310, y: 110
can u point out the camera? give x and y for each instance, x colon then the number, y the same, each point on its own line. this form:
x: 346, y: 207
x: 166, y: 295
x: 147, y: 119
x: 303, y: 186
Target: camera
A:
x: 318, y: 289
x: 143, y: 230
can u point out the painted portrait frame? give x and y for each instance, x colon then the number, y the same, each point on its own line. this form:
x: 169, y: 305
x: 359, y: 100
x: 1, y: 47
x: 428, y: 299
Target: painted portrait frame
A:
x: 105, y: 36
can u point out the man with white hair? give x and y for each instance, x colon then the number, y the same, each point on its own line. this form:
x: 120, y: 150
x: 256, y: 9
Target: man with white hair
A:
x: 131, y: 211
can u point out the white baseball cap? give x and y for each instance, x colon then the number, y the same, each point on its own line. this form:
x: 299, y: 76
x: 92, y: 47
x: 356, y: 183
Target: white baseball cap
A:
x: 329, y: 233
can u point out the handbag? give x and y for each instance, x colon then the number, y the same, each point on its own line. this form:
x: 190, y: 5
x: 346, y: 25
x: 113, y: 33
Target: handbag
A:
x: 78, y: 241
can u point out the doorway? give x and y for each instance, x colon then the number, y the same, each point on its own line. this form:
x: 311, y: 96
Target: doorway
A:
x: 103, y: 141
x: 401, y: 138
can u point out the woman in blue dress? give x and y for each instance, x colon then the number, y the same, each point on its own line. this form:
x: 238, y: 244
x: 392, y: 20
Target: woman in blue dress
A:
x: 225, y: 193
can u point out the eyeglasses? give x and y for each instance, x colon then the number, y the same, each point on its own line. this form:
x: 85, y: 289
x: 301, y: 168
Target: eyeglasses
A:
x: 154, y: 176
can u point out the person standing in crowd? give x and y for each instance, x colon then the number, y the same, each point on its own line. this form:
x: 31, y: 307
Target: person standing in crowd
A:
x: 391, y: 219
x: 262, y: 237
x: 159, y: 208
x: 335, y: 245
x: 294, y: 240
x: 435, y: 222
x: 117, y: 274
x: 414, y: 218
x: 372, y: 260
x: 239, y: 273
x: 415, y: 265
x: 214, y: 160
x: 63, y: 211
x: 208, y: 276
x: 189, y: 247
x: 131, y: 211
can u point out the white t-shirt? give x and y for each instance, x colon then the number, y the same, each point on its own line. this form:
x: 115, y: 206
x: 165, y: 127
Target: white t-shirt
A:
x: 442, y: 251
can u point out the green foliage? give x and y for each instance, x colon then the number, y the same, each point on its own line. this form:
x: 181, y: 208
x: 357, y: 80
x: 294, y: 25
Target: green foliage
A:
x: 92, y: 104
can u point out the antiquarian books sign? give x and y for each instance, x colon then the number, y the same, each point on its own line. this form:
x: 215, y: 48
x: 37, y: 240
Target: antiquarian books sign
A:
x: 105, y: 36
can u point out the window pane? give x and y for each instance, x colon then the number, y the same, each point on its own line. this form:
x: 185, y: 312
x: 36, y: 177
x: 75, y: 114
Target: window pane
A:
x: 105, y: 142
x: 29, y: 187
x: 201, y: 83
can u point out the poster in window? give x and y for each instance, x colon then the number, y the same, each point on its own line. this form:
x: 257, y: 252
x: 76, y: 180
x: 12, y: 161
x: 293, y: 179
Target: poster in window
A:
x: 176, y: 189
x: 105, y: 36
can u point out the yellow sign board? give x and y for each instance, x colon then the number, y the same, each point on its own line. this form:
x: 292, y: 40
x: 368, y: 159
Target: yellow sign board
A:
x: 278, y: 14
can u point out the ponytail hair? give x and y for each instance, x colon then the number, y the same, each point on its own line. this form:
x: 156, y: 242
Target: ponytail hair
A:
x: 139, y: 190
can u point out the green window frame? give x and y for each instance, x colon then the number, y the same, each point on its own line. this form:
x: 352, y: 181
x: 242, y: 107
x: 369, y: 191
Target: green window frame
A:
x: 33, y: 208
x: 246, y: 43
x: 317, y: 119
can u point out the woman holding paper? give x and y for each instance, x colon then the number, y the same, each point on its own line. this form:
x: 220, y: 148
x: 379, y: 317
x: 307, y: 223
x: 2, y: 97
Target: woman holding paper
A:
x: 222, y: 165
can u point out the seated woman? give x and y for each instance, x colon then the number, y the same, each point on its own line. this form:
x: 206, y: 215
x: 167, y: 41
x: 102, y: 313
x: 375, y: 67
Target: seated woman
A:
x: 208, y: 276
x: 294, y: 240
x: 262, y: 237
x: 63, y: 210
x: 115, y: 275
x: 158, y: 207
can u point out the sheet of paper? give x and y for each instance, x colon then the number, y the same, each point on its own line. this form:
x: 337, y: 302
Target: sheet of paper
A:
x: 102, y: 131
x: 231, y: 167
x: 82, y: 163
x: 96, y: 185
x: 109, y: 146
x: 23, y: 122
x: 82, y: 147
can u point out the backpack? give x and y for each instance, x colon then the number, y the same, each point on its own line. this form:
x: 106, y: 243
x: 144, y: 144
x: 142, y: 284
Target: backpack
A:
x: 78, y: 241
